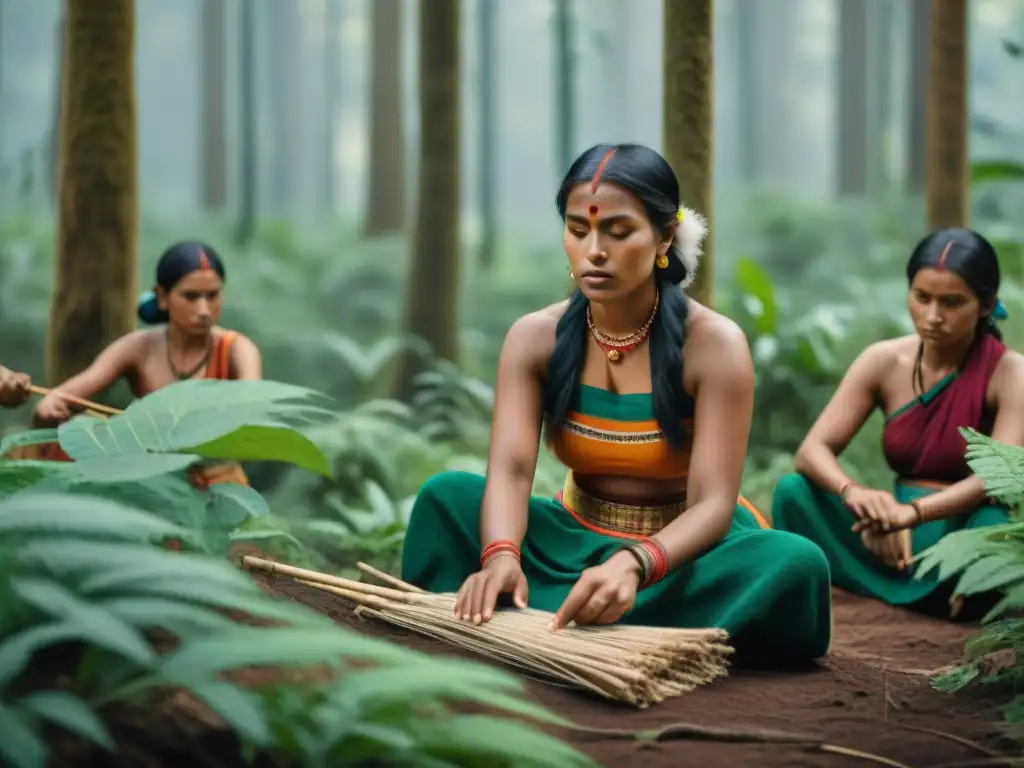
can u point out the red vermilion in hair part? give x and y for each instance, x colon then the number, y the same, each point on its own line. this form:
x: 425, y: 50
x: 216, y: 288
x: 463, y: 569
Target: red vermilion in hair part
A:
x: 204, y: 262
x: 600, y: 169
x: 942, y: 259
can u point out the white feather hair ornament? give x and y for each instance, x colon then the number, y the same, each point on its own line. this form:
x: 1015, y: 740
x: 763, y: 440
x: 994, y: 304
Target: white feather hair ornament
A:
x: 690, y: 233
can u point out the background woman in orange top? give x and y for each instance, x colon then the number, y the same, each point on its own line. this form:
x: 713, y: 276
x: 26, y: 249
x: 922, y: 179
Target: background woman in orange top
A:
x: 647, y: 398
x: 186, y: 305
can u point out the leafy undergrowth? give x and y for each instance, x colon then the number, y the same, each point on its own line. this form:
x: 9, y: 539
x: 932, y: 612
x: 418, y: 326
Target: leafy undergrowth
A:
x: 83, y: 588
x: 990, y: 560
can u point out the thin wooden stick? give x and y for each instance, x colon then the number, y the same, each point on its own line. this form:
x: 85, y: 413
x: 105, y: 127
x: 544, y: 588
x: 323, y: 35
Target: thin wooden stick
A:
x: 88, y: 404
x: 389, y: 579
x: 302, y: 574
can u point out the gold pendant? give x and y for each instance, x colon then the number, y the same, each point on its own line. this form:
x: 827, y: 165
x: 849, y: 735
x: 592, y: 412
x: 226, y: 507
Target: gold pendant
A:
x: 613, y: 355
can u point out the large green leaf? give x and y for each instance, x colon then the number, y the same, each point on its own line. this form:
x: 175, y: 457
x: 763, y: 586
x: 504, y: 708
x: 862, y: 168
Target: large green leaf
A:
x: 180, y: 618
x: 184, y: 416
x: 241, y: 710
x: 498, y: 741
x: 451, y: 680
x: 245, y: 646
x: 16, y: 650
x: 22, y: 747
x: 17, y: 475
x: 992, y: 573
x: 32, y: 512
x: 755, y: 283
x: 99, y: 625
x: 263, y: 442
x: 130, y: 469
x: 1000, y: 466
x: 26, y: 437
x: 70, y: 713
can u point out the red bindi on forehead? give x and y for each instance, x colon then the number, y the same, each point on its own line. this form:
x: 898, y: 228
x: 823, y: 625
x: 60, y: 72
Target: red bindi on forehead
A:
x: 593, y: 210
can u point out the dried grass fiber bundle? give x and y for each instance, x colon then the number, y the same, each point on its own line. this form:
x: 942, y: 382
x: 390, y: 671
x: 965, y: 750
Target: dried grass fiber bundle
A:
x: 637, y: 665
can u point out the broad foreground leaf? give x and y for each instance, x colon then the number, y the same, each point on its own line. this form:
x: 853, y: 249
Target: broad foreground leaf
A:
x: 37, y: 512
x: 70, y: 713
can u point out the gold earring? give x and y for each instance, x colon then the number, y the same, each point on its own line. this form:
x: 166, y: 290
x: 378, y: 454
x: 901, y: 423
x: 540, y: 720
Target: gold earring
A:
x: 661, y: 261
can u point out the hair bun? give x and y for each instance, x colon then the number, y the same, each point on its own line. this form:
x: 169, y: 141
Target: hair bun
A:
x: 149, y: 311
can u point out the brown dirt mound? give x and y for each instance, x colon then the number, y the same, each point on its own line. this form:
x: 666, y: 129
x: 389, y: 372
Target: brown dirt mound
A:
x: 871, y: 694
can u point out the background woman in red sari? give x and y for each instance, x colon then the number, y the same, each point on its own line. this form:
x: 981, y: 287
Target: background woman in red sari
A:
x: 954, y: 372
x: 187, y: 343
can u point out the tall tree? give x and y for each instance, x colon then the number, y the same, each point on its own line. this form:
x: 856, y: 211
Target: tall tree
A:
x: 565, y: 81
x: 946, y: 169
x: 332, y: 97
x: 487, y: 30
x: 96, y: 270
x: 688, y: 116
x: 287, y: 117
x: 386, y: 203
x: 917, y: 92
x: 433, y: 288
x: 853, y: 148
x: 247, y: 120
x: 213, y: 153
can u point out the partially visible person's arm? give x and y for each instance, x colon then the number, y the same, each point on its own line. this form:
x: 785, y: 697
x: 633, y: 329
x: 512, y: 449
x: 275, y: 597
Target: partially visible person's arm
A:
x: 14, y: 388
x: 112, y: 363
x: 850, y: 406
x: 724, y: 406
x: 515, y: 432
x: 246, y: 359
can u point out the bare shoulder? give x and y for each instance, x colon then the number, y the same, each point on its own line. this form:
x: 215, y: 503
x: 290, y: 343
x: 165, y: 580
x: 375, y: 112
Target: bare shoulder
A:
x: 715, y: 343
x: 884, y: 356
x: 138, y: 343
x: 243, y: 342
x: 532, y: 337
x: 1009, y: 372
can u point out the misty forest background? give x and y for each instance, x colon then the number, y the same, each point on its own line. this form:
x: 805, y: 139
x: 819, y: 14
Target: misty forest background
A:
x: 359, y: 184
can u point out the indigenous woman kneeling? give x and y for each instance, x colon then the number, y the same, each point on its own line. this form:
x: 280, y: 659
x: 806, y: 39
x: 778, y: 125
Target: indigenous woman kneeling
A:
x: 954, y: 372
x: 186, y: 303
x: 646, y: 397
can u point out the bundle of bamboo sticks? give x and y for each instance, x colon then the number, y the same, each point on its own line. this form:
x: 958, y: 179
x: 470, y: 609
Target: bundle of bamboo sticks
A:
x: 633, y: 664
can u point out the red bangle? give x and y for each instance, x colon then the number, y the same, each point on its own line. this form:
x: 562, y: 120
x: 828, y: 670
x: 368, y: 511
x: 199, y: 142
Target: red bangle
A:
x: 659, y: 561
x: 502, y: 545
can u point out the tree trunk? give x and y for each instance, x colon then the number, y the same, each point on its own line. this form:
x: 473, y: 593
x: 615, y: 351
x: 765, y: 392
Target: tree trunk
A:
x: 946, y: 169
x: 386, y: 203
x: 96, y: 275
x: 213, y: 170
x: 565, y: 80
x: 853, y: 151
x: 487, y: 105
x: 917, y: 90
x: 287, y: 115
x: 433, y: 288
x: 332, y: 96
x: 247, y: 123
x: 688, y: 127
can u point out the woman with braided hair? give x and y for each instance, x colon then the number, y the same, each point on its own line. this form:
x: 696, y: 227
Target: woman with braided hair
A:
x: 953, y: 372
x: 646, y: 397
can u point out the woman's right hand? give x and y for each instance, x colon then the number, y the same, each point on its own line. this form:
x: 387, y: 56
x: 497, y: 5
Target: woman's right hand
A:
x: 478, y: 595
x: 52, y: 410
x: 870, y: 506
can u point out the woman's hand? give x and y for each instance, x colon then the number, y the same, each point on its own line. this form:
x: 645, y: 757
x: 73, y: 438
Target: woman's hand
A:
x: 603, y: 594
x: 895, y: 518
x: 893, y: 549
x: 478, y: 595
x: 52, y: 410
x: 870, y: 506
x: 14, y: 388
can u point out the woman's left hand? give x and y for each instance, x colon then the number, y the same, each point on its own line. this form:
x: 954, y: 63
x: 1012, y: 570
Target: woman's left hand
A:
x: 603, y: 594
x: 896, y: 518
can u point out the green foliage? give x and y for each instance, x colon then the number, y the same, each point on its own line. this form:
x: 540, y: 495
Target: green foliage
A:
x: 82, y: 586
x: 989, y: 560
x: 140, y: 457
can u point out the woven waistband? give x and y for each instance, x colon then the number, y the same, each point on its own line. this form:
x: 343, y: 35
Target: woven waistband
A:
x: 629, y: 519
